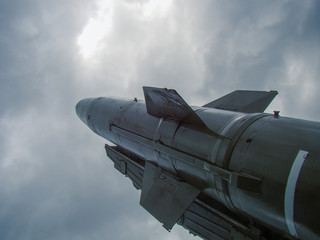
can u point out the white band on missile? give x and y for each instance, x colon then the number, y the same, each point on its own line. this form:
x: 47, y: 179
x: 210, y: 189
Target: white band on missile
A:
x: 156, y: 133
x: 290, y: 191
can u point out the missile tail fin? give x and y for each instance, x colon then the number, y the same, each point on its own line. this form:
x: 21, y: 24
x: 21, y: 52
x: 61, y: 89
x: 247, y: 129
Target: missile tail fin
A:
x: 164, y: 196
x: 244, y: 101
x: 168, y: 104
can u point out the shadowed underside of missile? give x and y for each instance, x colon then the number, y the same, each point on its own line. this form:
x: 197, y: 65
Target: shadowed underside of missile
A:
x: 225, y: 170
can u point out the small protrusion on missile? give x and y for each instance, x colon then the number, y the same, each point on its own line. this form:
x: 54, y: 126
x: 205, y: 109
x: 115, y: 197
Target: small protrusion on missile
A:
x: 135, y: 99
x: 246, y: 182
x: 123, y: 166
x: 168, y: 229
x: 276, y: 114
x: 249, y: 140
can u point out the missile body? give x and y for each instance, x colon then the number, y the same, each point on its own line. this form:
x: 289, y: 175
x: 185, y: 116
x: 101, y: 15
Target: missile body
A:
x: 223, y: 171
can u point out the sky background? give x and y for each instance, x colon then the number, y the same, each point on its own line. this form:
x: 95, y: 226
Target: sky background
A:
x: 55, y: 179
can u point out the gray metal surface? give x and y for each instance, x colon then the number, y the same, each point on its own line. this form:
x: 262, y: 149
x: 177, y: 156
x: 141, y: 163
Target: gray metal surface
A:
x: 252, y: 181
x: 268, y: 148
x: 199, y: 217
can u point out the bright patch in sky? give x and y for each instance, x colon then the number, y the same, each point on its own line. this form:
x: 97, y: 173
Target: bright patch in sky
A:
x: 96, y: 29
x: 155, y: 7
x: 100, y: 25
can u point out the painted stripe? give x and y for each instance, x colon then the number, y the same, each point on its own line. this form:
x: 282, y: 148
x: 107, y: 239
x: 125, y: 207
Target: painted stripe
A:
x: 156, y: 133
x: 290, y: 191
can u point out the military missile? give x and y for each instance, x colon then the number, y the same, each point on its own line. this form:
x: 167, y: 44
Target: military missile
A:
x: 225, y: 170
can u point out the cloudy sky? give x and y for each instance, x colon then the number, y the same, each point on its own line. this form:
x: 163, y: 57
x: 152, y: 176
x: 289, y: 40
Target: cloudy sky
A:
x: 55, y: 179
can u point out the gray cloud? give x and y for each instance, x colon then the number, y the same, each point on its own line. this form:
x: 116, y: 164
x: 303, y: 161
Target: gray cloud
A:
x: 55, y: 179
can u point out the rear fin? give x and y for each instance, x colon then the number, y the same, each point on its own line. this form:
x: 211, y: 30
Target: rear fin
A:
x: 168, y: 104
x: 164, y: 196
x: 244, y: 101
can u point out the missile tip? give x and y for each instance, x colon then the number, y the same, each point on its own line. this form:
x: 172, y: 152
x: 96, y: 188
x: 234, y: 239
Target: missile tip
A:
x: 82, y: 108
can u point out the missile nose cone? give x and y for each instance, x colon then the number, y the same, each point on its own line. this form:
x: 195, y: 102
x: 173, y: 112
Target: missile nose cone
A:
x: 82, y: 108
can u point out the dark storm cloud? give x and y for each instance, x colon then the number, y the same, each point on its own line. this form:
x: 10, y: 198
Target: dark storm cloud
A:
x: 48, y: 190
x: 213, y: 48
x: 53, y: 187
x: 55, y: 180
x: 260, y: 46
x: 38, y: 51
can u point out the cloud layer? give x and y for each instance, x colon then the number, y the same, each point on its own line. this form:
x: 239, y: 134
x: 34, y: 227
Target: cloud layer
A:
x: 55, y: 179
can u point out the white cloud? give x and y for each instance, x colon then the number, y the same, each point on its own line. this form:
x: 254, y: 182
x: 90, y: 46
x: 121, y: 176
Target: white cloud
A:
x: 96, y: 29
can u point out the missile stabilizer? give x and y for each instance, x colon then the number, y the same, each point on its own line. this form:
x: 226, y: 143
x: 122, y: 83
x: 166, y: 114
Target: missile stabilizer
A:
x: 225, y: 170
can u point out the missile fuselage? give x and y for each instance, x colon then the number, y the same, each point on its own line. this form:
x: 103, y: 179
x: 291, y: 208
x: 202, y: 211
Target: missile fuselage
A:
x: 263, y: 167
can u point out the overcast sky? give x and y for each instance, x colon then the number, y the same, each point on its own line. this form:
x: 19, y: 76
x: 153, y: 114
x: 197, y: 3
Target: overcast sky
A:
x: 55, y: 179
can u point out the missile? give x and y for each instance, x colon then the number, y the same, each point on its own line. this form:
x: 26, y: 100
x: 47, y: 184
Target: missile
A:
x: 225, y: 170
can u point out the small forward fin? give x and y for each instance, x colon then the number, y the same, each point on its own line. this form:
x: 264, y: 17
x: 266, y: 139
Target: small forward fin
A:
x: 168, y: 104
x: 244, y: 101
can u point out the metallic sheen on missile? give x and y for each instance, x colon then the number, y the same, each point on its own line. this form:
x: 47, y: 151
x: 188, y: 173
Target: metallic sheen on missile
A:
x: 225, y: 170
